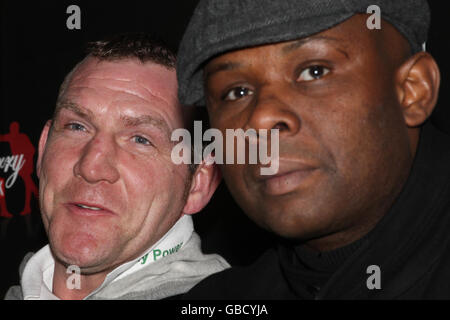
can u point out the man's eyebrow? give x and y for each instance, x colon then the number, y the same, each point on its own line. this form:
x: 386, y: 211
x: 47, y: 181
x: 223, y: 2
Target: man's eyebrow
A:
x: 131, y: 121
x: 224, y: 66
x: 299, y: 43
x: 75, y: 108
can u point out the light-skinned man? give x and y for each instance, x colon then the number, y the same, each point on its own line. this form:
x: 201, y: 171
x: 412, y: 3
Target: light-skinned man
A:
x: 116, y: 209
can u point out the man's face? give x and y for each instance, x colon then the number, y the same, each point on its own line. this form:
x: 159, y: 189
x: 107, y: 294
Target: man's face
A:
x: 344, y: 146
x: 108, y: 187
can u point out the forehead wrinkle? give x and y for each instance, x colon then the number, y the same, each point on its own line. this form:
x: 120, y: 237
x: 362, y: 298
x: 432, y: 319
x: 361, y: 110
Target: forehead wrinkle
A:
x: 158, y: 97
x: 133, y: 82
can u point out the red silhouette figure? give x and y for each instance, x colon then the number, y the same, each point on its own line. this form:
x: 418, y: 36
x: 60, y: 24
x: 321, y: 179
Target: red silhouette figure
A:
x: 3, y: 209
x: 21, y: 144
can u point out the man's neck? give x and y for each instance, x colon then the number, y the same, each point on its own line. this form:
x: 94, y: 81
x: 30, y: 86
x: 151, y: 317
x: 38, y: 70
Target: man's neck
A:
x: 69, y: 285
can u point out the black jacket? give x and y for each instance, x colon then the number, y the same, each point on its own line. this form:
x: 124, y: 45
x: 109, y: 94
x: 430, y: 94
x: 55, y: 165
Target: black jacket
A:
x: 410, y: 245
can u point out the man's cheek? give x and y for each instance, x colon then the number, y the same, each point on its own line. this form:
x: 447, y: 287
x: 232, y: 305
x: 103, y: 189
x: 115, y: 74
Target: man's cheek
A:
x: 45, y: 199
x: 52, y: 182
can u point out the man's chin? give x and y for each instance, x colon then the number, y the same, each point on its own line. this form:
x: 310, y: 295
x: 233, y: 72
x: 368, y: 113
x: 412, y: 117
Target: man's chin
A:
x: 88, y: 257
x: 299, y: 224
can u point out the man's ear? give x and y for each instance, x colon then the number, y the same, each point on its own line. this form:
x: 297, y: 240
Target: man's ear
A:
x: 41, y: 147
x: 205, y: 180
x: 418, y: 81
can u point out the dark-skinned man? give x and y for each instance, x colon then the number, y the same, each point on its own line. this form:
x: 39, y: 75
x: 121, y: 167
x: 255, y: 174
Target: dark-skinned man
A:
x: 361, y: 197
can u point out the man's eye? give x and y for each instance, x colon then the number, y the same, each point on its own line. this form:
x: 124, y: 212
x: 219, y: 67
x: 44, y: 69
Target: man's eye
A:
x: 313, y: 73
x: 75, y: 126
x: 142, y: 140
x: 237, y: 93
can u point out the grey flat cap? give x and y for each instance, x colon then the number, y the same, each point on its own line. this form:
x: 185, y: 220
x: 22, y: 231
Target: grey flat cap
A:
x: 218, y: 26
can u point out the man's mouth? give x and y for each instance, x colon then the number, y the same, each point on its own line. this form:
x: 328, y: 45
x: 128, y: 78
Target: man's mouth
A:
x: 290, y: 176
x: 286, y: 182
x: 86, y: 209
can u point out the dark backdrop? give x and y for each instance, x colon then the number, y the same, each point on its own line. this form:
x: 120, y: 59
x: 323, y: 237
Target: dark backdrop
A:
x: 37, y: 51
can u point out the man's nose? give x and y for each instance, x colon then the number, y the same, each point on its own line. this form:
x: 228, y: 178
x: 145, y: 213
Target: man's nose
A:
x: 98, y: 161
x: 272, y: 111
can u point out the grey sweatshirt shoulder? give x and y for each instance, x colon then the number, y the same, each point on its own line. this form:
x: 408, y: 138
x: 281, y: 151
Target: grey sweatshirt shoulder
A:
x: 15, y: 292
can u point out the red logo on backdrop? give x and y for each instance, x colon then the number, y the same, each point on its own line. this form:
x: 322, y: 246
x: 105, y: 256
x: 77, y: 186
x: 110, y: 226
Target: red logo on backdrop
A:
x: 3, y: 210
x: 19, y: 163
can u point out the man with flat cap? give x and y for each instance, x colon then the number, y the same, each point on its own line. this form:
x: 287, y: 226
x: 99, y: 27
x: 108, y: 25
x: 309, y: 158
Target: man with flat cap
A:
x: 361, y: 200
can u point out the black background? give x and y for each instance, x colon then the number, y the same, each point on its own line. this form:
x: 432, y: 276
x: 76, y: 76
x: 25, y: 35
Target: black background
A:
x: 38, y: 50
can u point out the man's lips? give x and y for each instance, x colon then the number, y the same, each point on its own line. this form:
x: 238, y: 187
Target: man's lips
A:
x: 88, y: 209
x: 289, y: 177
